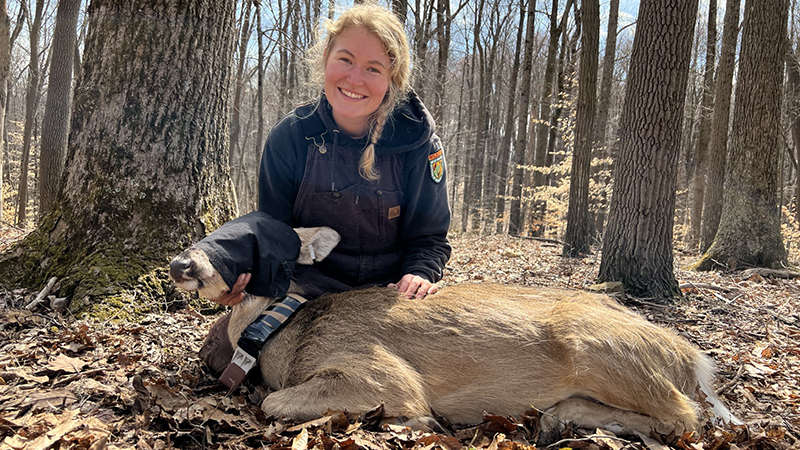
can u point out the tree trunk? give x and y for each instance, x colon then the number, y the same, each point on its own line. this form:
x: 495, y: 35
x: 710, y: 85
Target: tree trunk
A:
x: 399, y: 7
x: 706, y: 115
x: 5, y: 65
x: 604, y: 103
x: 505, y: 145
x: 238, y: 83
x: 577, y: 237
x: 58, y: 105
x: 543, y: 128
x: 637, y: 249
x: 794, y: 81
x: 718, y: 145
x: 31, y: 98
x: 515, y: 212
x: 443, y: 38
x: 260, y: 84
x: 147, y: 170
x: 749, y: 232
x: 604, y: 100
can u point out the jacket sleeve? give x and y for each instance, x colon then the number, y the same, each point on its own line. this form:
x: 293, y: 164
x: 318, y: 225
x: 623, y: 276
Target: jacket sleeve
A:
x: 281, y: 171
x: 427, y: 213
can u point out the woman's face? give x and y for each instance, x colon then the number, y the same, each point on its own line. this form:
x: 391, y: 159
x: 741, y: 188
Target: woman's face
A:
x: 357, y: 77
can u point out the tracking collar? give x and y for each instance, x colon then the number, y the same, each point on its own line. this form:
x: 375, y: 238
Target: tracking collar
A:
x: 254, y: 337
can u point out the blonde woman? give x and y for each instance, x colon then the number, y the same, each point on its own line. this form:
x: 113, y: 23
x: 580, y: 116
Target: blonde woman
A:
x: 362, y: 159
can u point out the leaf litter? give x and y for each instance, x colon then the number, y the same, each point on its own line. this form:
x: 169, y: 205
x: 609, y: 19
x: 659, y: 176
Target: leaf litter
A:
x: 73, y: 384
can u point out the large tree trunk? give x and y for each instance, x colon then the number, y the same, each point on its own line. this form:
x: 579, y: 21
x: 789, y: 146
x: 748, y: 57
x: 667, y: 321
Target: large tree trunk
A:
x: 5, y: 65
x: 515, y: 212
x: 718, y: 145
x: 31, y: 98
x: 706, y: 115
x: 637, y: 249
x: 577, y: 237
x: 147, y: 167
x: 749, y: 232
x: 58, y: 105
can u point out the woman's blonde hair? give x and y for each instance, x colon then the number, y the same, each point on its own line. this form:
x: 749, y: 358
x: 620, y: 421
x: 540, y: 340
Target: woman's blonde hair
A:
x: 387, y: 27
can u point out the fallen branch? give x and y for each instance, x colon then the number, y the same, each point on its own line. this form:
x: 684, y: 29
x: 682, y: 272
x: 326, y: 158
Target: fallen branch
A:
x: 712, y: 287
x: 775, y: 273
x: 731, y: 383
x: 589, y: 438
x: 541, y: 239
x: 43, y: 294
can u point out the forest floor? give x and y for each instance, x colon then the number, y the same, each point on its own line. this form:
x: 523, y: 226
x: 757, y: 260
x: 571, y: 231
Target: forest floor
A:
x: 72, y: 384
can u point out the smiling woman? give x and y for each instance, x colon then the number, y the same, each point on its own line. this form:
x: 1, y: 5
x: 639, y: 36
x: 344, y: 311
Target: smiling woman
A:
x: 362, y: 159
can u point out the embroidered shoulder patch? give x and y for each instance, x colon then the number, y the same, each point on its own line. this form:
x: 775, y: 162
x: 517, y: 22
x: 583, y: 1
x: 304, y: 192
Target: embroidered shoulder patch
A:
x: 436, y: 161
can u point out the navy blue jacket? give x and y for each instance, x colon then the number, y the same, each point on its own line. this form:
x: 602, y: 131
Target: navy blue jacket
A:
x: 389, y: 227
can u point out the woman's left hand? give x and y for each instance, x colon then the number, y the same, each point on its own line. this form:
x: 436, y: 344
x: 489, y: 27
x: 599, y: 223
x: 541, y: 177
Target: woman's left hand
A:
x: 415, y: 286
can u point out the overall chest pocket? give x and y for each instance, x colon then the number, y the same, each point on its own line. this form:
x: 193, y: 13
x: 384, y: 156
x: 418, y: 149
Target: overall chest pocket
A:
x: 362, y: 215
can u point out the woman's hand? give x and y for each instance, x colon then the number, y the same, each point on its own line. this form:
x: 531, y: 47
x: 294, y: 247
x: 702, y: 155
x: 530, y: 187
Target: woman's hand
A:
x: 236, y: 294
x: 415, y: 286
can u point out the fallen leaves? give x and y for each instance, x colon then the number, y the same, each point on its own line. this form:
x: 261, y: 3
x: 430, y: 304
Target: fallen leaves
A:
x: 78, y: 385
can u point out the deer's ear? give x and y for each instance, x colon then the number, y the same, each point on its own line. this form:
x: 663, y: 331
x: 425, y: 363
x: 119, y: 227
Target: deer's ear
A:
x: 316, y: 243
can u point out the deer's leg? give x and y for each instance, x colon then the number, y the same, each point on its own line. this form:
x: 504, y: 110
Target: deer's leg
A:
x: 354, y: 383
x: 585, y: 413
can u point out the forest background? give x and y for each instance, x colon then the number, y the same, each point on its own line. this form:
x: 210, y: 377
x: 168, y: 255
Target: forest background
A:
x: 508, y: 83
x: 129, y: 125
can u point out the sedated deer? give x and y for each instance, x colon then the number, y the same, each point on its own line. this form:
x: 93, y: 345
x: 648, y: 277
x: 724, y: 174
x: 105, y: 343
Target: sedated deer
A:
x: 471, y: 349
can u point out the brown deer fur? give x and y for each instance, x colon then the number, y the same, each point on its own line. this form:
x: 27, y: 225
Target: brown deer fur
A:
x: 475, y: 348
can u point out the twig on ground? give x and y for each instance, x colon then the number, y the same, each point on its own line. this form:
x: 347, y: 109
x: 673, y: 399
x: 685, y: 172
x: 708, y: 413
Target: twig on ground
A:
x: 703, y: 286
x: 588, y: 438
x: 43, y: 294
x: 731, y: 383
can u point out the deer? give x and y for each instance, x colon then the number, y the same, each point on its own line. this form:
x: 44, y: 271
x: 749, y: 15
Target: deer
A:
x: 470, y: 349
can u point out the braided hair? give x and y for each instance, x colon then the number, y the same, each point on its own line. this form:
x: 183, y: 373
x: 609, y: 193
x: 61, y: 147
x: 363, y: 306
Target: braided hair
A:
x: 389, y: 30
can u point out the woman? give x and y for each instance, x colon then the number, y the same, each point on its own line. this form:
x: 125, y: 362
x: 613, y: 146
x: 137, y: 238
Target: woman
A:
x: 364, y: 160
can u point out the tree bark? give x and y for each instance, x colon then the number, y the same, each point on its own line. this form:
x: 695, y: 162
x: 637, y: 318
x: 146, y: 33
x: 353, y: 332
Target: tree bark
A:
x: 577, y: 237
x: 718, y: 145
x: 31, y: 98
x: 749, y: 232
x: 147, y: 170
x: 515, y: 212
x: 400, y: 7
x: 58, y: 105
x: 637, y: 249
x: 704, y: 131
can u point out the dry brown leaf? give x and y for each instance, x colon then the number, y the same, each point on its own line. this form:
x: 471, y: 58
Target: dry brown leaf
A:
x: 300, y: 442
x: 609, y: 442
x: 64, y: 363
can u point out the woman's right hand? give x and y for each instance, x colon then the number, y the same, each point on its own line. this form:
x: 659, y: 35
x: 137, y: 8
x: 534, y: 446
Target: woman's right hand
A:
x: 236, y: 294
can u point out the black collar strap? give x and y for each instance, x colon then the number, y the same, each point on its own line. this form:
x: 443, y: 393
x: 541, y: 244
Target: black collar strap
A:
x: 254, y: 337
